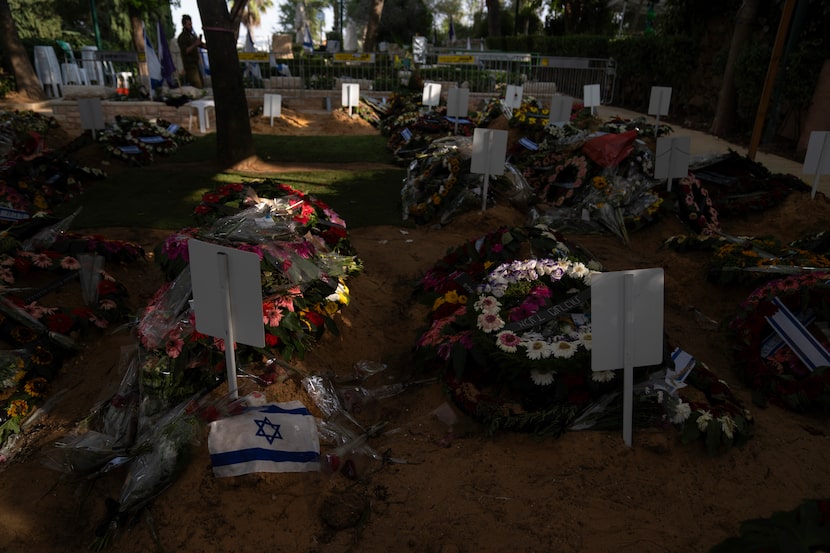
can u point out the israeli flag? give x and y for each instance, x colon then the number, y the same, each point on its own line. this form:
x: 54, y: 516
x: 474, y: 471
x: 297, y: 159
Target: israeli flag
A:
x: 308, y: 44
x: 153, y: 63
x: 276, y: 437
x: 251, y: 69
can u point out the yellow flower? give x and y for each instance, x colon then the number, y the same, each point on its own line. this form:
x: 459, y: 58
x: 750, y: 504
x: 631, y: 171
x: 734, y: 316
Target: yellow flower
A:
x: 17, y: 408
x: 451, y: 296
x: 462, y: 299
x: 436, y: 199
x: 438, y: 303
x: 36, y: 387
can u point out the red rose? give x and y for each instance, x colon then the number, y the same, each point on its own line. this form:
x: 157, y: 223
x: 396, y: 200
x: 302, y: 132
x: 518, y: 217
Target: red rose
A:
x: 60, y: 323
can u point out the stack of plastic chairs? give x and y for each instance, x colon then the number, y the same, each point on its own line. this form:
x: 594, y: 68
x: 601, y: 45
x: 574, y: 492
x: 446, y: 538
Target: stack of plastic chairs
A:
x: 48, y: 70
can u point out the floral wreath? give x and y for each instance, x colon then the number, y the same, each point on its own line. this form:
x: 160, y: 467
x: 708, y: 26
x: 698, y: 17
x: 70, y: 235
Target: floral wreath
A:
x: 779, y: 376
x: 479, y: 336
x: 695, y: 207
x: 181, y: 135
x: 530, y: 115
x: 556, y: 176
x: 719, y: 419
x: 750, y: 259
x: 751, y: 186
x: 433, y: 185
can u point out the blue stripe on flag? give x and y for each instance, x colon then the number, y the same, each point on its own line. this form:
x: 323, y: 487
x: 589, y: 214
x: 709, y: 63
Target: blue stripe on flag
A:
x: 784, y: 322
x: 262, y: 454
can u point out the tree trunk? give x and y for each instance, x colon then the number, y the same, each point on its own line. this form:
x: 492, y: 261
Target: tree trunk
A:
x: 727, y: 99
x: 370, y: 40
x: 15, y: 58
x: 234, y: 141
x: 493, y: 16
x: 137, y: 31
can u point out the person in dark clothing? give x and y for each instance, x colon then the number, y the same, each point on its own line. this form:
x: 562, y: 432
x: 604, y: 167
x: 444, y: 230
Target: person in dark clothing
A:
x: 189, y: 45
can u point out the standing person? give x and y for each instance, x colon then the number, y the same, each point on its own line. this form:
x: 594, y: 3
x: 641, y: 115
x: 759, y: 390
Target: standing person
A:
x: 189, y: 45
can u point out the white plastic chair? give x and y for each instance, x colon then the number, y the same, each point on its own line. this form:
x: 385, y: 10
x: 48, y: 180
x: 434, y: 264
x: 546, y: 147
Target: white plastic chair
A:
x: 48, y: 70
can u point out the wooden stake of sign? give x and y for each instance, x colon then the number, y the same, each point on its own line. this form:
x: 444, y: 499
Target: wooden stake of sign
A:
x: 591, y: 97
x: 627, y: 327
x: 227, y: 299
x: 350, y: 96
x: 817, y: 159
x: 658, y: 103
x: 458, y: 100
x: 489, y: 152
x: 672, y: 158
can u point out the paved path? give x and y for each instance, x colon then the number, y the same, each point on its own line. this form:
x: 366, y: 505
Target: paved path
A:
x: 706, y: 144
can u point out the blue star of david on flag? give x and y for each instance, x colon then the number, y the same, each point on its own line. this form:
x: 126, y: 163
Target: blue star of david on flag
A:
x: 274, y: 429
x: 291, y: 442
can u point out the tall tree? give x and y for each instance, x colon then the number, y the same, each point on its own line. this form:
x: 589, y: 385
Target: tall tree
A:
x: 15, y: 57
x: 234, y: 141
x: 493, y: 18
x: 727, y: 99
x: 372, y: 26
x: 251, y: 14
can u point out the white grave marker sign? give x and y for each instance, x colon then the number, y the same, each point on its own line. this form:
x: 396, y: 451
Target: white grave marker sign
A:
x: 513, y: 96
x: 432, y: 94
x: 272, y: 106
x: 350, y: 96
x: 227, y: 298
x: 672, y: 158
x: 489, y: 153
x: 458, y: 102
x: 817, y: 158
x: 591, y: 99
x: 92, y: 114
x: 627, y: 327
x: 560, y: 109
x: 658, y: 103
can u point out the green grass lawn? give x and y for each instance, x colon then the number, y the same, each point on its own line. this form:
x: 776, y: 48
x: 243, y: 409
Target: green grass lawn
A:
x: 163, y: 195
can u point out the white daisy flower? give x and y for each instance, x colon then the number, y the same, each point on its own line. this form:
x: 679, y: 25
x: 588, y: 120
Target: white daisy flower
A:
x: 537, y: 349
x: 602, y: 376
x: 703, y: 420
x: 563, y: 349
x: 727, y: 425
x: 681, y: 413
x: 587, y: 340
x: 489, y: 322
x: 488, y: 304
x: 579, y: 270
x: 507, y: 341
x: 541, y: 378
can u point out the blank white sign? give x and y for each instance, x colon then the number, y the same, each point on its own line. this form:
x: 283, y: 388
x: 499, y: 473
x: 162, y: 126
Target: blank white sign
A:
x: 432, y: 94
x: 561, y: 108
x: 608, y: 319
x: 350, y: 95
x: 458, y: 101
x: 591, y: 95
x: 243, y: 283
x: 658, y: 103
x: 489, y: 151
x: 672, y: 157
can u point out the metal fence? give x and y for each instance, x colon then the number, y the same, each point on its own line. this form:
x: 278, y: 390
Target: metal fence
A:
x: 482, y: 72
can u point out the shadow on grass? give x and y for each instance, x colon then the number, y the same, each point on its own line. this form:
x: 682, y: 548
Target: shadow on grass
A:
x: 163, y: 197
x: 299, y: 149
